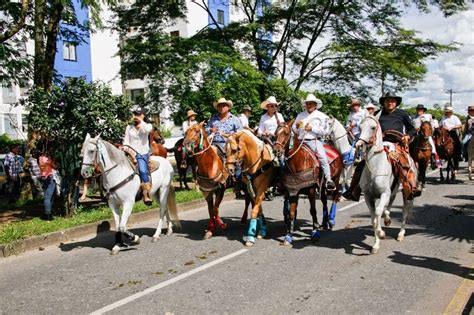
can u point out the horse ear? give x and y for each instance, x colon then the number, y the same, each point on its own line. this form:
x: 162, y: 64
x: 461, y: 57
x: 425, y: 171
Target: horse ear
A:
x: 88, y: 136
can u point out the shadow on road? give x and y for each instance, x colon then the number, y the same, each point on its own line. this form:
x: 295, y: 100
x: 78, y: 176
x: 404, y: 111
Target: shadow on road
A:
x: 432, y: 263
x: 103, y: 239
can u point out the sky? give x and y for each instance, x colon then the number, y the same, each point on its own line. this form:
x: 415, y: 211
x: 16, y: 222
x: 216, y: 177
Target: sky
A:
x: 454, y: 70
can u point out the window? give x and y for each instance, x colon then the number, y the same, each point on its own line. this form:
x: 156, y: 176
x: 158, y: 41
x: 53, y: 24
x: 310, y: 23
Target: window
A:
x: 24, y: 122
x: 220, y: 17
x: 137, y: 95
x: 174, y: 33
x: 69, y: 51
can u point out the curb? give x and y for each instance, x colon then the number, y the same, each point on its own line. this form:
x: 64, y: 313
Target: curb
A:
x: 38, y: 242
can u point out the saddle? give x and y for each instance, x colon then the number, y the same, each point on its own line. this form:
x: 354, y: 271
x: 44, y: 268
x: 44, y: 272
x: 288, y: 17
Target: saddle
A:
x: 131, y: 155
x: 402, y: 168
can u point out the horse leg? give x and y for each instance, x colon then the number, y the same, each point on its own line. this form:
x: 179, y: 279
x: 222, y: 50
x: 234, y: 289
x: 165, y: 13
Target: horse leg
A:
x: 127, y: 211
x: 324, y: 201
x: 378, y: 210
x: 407, y: 207
x: 211, y: 227
x: 163, y: 210
x: 441, y: 177
x: 118, y: 235
x: 217, y: 203
x: 243, y: 220
x: 332, y: 213
x: 315, y: 233
x: 255, y: 219
x: 291, y: 220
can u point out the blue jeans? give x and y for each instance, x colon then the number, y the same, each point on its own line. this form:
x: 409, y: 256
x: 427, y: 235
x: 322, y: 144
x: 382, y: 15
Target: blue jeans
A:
x: 142, y: 160
x: 317, y: 146
x: 49, y: 186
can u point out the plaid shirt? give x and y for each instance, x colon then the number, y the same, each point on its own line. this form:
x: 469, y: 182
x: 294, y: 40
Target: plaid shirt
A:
x: 12, y: 164
x: 34, y: 168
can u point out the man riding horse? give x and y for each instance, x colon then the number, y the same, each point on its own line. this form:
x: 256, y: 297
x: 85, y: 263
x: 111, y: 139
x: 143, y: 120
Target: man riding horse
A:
x: 311, y: 125
x: 270, y: 120
x: 422, y: 116
x: 452, y: 124
x: 397, y: 128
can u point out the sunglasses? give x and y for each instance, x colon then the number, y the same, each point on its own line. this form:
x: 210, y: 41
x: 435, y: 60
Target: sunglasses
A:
x: 272, y: 105
x: 222, y: 105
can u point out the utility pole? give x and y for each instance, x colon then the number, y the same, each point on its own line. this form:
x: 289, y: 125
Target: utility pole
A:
x: 450, y: 91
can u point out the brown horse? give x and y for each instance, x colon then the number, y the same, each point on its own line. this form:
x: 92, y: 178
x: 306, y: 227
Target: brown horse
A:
x: 445, y: 147
x: 156, y: 143
x: 183, y: 162
x: 211, y: 174
x: 303, y: 175
x: 255, y: 159
x: 420, y: 150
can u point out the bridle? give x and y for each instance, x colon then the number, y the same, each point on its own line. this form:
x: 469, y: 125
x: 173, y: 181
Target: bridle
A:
x: 282, y: 127
x: 373, y: 137
x: 92, y: 166
x: 191, y: 145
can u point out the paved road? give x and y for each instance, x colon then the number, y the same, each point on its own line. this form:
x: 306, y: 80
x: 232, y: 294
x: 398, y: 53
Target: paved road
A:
x: 183, y: 274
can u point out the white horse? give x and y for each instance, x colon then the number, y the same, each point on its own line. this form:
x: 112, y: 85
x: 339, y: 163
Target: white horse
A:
x: 378, y: 182
x: 121, y: 184
x: 339, y: 137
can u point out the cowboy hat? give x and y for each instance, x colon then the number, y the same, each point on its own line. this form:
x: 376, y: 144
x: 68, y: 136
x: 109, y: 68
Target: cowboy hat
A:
x: 448, y: 108
x: 398, y: 99
x: 421, y: 106
x: 470, y: 107
x: 354, y: 101
x: 190, y: 113
x: 311, y: 98
x: 247, y: 108
x: 370, y: 105
x: 222, y: 100
x: 270, y: 100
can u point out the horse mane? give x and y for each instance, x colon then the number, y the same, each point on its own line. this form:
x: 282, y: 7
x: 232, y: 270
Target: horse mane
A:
x: 117, y: 155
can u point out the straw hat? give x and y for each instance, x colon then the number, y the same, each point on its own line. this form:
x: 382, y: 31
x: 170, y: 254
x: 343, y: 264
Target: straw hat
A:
x: 370, y: 105
x: 398, y: 99
x: 190, y: 113
x: 247, y: 108
x: 312, y: 98
x: 222, y: 100
x: 270, y: 100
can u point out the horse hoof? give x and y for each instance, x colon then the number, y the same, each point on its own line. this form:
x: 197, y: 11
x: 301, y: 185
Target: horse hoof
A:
x: 115, y: 251
x: 259, y: 236
x: 400, y: 238
x: 387, y: 222
x: 169, y: 232
x: 249, y: 244
x: 208, y: 235
x: 223, y: 226
x: 136, y: 240
x: 155, y: 239
x: 332, y: 223
x: 374, y: 250
x: 315, y: 235
x: 286, y: 243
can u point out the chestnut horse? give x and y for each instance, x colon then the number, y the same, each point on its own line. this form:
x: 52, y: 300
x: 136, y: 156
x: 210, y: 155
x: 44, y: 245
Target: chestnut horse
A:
x: 211, y: 174
x: 183, y: 162
x: 156, y: 144
x: 255, y: 159
x: 420, y: 150
x: 303, y: 175
x: 445, y: 146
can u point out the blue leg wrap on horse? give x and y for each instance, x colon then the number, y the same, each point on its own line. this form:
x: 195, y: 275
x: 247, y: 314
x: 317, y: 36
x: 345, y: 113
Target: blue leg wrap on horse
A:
x: 252, y: 231
x: 289, y: 238
x: 262, y: 225
x: 315, y: 234
x: 332, y: 214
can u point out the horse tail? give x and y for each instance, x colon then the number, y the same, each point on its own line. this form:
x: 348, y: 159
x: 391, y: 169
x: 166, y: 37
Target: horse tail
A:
x: 172, y: 209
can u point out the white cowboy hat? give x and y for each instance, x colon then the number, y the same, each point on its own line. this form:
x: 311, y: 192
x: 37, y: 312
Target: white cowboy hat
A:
x: 270, y: 100
x: 448, y: 108
x: 222, y: 100
x: 370, y: 105
x: 312, y: 98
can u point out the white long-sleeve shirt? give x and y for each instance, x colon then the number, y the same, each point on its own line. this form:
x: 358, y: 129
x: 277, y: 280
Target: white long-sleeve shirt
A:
x: 185, y: 126
x: 451, y: 122
x: 356, y: 118
x: 138, y: 138
x: 244, y: 120
x: 318, y: 122
x: 269, y: 124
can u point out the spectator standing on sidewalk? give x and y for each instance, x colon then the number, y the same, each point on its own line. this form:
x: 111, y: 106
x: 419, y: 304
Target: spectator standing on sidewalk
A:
x: 12, y: 171
x: 47, y: 167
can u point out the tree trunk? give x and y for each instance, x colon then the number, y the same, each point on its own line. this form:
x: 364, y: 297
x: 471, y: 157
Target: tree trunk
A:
x: 51, y: 35
x: 39, y: 62
x: 16, y: 27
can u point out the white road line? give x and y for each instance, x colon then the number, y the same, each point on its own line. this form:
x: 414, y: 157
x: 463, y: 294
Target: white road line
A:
x: 362, y: 199
x: 167, y: 283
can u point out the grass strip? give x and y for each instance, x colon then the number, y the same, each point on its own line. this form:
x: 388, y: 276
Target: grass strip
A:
x: 14, y: 231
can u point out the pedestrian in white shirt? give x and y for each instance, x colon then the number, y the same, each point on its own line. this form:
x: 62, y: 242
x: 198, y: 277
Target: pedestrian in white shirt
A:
x: 422, y: 116
x: 190, y: 120
x: 356, y: 116
x: 136, y: 139
x: 452, y: 124
x: 311, y: 125
x: 244, y: 117
x: 271, y: 119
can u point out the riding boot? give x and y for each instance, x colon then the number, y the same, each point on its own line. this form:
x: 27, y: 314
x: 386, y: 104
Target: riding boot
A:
x: 146, y: 187
x: 354, y: 191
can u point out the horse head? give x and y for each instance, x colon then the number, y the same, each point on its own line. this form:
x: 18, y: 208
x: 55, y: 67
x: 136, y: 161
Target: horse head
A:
x: 282, y: 136
x: 89, y: 156
x: 425, y: 129
x: 233, y: 151
x: 370, y: 132
x: 194, y: 138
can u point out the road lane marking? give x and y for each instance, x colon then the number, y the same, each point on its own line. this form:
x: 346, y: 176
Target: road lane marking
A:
x: 167, y: 283
x: 461, y: 297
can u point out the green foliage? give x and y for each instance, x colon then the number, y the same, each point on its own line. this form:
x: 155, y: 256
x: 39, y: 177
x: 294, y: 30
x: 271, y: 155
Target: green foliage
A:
x: 6, y: 141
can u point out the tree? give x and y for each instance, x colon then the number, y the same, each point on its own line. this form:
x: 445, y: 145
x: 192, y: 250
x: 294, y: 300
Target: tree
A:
x: 64, y: 115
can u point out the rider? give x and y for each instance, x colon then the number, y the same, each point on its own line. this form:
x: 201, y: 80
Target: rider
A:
x: 311, y: 125
x: 355, y: 118
x: 391, y: 118
x: 270, y: 120
x: 136, y: 138
x: 371, y: 109
x: 452, y: 124
x: 244, y: 117
x: 422, y: 116
x: 468, y: 130
x: 223, y: 123
x: 190, y: 120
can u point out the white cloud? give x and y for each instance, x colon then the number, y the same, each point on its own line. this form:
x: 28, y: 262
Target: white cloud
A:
x: 453, y: 70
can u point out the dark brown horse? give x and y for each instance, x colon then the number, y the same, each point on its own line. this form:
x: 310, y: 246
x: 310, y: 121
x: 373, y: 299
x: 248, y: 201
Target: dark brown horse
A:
x: 420, y: 150
x: 211, y: 174
x: 446, y: 151
x: 183, y: 162
x: 303, y: 175
x: 156, y: 144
